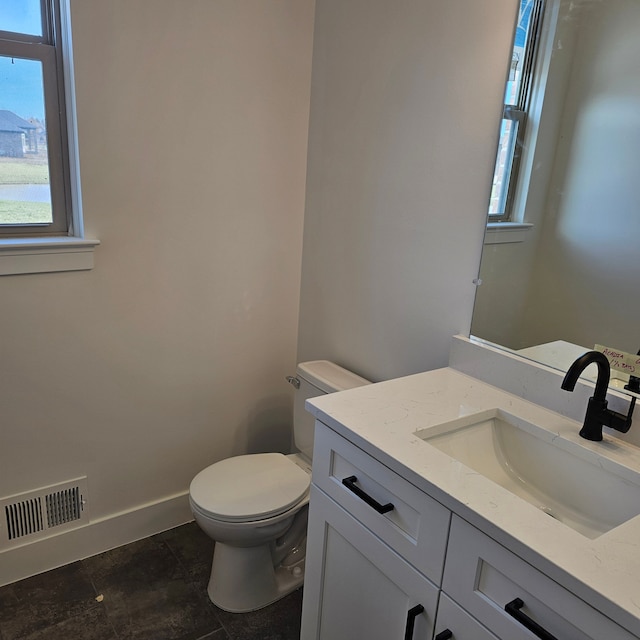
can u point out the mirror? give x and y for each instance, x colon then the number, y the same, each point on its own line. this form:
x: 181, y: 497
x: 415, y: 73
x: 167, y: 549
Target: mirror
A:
x: 571, y: 280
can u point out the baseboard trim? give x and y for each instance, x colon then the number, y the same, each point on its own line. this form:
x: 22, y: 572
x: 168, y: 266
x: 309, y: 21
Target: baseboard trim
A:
x: 99, y: 535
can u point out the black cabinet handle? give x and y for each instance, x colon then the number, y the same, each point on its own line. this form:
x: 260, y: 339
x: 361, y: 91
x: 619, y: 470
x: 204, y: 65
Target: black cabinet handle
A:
x: 412, y: 614
x: 513, y: 609
x: 444, y: 635
x: 380, y: 508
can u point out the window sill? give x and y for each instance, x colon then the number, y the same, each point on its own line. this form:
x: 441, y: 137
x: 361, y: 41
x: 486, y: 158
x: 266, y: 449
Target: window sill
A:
x: 506, y: 232
x: 45, y: 255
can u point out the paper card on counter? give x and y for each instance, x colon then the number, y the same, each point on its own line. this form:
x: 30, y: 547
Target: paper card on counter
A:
x: 620, y: 360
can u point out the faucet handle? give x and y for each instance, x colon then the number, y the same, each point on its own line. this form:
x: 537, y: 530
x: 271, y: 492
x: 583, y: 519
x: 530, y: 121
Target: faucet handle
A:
x: 619, y: 421
x: 634, y: 383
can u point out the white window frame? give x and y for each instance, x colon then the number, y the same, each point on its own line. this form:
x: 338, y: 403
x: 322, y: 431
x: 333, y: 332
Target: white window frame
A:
x: 65, y: 248
x: 518, y: 113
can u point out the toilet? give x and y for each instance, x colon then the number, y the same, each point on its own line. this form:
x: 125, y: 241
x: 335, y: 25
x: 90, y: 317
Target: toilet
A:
x: 255, y: 506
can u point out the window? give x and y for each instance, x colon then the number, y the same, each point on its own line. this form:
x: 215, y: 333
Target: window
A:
x: 35, y: 180
x: 41, y: 227
x: 514, y: 118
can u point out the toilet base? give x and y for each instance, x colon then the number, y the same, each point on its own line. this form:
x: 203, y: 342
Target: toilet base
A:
x: 244, y: 579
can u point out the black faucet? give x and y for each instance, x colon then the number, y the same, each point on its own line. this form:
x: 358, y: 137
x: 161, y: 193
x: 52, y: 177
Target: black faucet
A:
x: 597, y: 415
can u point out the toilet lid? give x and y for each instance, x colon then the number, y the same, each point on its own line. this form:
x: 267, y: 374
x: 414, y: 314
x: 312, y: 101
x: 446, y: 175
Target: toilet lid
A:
x: 250, y: 487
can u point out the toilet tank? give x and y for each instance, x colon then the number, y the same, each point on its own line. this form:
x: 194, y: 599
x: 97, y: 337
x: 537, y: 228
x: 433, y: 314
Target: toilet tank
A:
x: 317, y: 378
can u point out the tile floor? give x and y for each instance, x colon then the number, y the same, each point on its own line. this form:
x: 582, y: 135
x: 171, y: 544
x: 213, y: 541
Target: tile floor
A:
x: 154, y: 589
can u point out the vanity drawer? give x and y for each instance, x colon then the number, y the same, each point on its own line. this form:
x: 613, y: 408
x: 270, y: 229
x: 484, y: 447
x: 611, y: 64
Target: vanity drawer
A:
x: 483, y: 577
x: 461, y: 625
x: 417, y: 526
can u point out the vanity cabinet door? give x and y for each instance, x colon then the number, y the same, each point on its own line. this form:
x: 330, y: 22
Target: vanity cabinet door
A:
x: 356, y: 586
x: 460, y: 625
x: 484, y: 577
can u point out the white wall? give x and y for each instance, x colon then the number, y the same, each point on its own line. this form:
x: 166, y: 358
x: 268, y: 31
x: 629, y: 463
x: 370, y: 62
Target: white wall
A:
x: 404, y: 118
x: 170, y: 354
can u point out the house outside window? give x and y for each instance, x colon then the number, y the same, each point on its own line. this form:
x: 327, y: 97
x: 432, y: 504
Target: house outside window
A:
x: 516, y: 104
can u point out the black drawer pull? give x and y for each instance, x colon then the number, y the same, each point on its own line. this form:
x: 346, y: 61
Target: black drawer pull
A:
x: 412, y: 614
x: 444, y: 635
x: 380, y: 508
x: 513, y: 609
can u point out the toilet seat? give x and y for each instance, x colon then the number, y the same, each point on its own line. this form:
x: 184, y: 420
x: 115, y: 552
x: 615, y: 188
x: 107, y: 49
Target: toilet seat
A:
x: 249, y: 487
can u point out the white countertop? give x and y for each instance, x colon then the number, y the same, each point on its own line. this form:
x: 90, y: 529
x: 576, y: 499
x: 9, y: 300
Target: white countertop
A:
x: 382, y: 419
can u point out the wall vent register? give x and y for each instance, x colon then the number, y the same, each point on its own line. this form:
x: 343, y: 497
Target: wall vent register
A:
x: 43, y: 513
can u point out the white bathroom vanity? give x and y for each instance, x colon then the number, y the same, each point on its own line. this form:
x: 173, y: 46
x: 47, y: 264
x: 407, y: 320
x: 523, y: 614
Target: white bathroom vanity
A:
x: 439, y: 501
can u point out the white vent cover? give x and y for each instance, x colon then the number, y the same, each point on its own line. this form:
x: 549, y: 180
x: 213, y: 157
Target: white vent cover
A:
x: 42, y: 513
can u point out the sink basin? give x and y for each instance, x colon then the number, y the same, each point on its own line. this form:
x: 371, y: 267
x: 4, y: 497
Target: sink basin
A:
x: 569, y: 482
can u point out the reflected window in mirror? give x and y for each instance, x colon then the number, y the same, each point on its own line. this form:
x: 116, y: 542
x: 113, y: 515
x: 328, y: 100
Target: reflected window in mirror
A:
x: 567, y: 279
x: 517, y: 100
